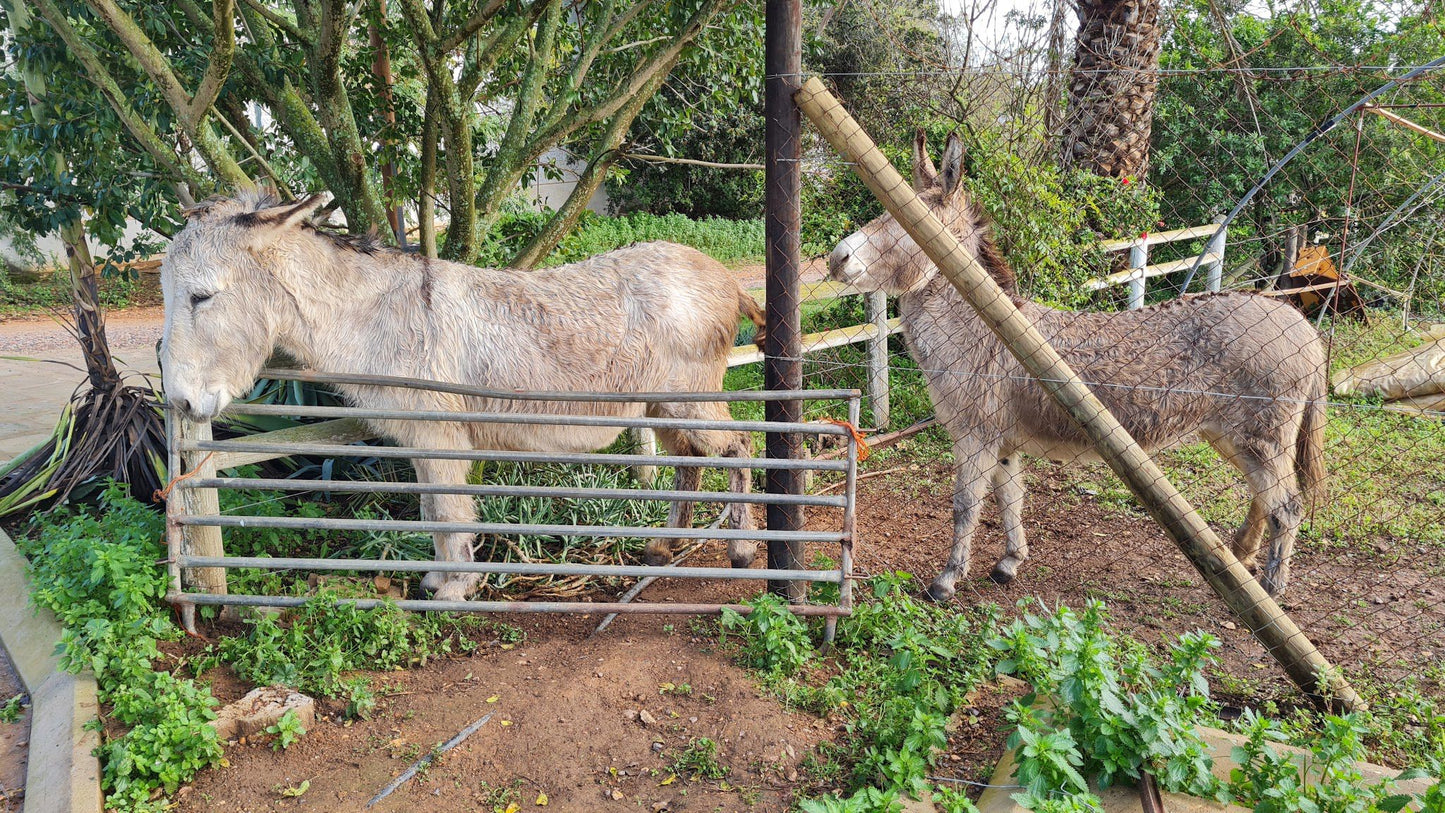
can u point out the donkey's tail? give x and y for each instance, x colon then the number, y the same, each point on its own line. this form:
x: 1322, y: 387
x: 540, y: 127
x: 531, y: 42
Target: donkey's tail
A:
x: 1309, y: 461
x: 748, y: 307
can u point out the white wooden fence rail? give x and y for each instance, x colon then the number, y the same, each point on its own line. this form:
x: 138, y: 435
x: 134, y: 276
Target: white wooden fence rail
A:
x: 1140, y: 271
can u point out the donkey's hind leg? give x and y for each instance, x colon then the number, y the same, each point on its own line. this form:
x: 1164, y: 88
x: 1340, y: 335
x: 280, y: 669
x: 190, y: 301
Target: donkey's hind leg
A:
x: 970, y: 479
x: 450, y: 547
x: 679, y: 515
x: 714, y: 443
x: 1008, y: 490
x: 1251, y: 533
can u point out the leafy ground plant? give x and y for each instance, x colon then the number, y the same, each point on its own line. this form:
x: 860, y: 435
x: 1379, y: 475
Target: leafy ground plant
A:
x: 97, y: 572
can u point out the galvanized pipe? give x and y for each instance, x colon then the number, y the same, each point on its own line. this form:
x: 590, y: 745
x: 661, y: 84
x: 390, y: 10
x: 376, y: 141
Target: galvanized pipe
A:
x: 583, y: 607
x: 533, y: 419
x: 334, y: 450
x: 399, y: 487
x: 517, y: 568
x: 609, y: 397
x: 504, y: 529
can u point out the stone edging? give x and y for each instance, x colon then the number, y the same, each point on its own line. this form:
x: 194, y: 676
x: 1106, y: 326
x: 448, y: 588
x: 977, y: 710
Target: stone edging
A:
x: 62, y: 773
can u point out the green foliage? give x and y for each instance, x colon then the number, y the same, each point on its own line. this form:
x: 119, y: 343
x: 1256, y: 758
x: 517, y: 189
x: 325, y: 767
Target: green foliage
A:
x: 99, y: 574
x: 1049, y: 224
x: 11, y: 709
x: 287, y: 730
x: 698, y: 760
x: 323, y: 640
x: 728, y: 241
x: 1113, y: 713
x: 774, y: 641
x: 729, y: 136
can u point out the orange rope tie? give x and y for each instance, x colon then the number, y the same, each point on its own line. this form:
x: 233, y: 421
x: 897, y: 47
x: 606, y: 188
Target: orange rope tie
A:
x: 863, y: 450
x: 164, y: 494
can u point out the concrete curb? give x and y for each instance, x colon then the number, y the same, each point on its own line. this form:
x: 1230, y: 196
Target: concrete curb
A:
x: 62, y: 773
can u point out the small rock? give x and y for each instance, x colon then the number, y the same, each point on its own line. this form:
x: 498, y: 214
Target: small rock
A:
x: 631, y: 715
x: 646, y: 718
x: 1379, y: 600
x: 792, y: 775
x: 616, y: 795
x: 660, y: 807
x: 261, y: 708
x: 1229, y: 625
x: 657, y: 746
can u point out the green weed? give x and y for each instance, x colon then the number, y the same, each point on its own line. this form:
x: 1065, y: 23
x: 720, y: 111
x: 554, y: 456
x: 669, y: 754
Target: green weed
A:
x: 287, y: 730
x: 698, y: 760
x: 99, y: 574
x: 10, y: 711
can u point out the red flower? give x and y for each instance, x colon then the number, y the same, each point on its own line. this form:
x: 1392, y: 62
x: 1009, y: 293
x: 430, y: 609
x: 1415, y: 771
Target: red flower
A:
x: 1124, y: 180
x: 1143, y: 235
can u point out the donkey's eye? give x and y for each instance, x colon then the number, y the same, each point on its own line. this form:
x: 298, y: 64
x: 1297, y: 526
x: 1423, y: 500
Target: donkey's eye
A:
x: 197, y: 299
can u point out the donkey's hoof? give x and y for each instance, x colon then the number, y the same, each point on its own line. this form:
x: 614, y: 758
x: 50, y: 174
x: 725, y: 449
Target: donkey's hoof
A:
x: 938, y: 594
x: 741, y: 561
x: 1000, y: 575
x: 433, y: 581
x: 453, y: 591
x: 1271, y: 584
x: 657, y: 558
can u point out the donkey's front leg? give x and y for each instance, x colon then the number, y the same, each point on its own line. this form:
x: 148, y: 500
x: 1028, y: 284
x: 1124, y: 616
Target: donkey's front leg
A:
x: 659, y: 551
x: 970, y: 478
x: 1008, y: 490
x: 450, y: 547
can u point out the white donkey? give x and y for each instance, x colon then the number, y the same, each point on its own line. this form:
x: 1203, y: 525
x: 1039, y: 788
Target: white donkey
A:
x: 1245, y: 372
x: 246, y: 276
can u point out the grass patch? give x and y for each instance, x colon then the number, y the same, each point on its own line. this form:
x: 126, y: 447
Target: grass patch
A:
x: 733, y: 242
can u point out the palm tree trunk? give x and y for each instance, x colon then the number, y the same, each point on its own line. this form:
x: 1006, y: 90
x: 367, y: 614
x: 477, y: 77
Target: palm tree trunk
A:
x: 1112, y: 86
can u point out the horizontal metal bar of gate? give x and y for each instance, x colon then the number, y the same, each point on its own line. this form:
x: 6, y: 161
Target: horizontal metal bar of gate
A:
x: 401, y: 487
x: 504, y: 529
x: 519, y: 568
x: 655, y: 608
x: 334, y: 450
x: 536, y: 419
x: 608, y: 397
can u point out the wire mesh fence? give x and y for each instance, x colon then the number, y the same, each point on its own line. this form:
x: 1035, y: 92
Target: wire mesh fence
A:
x: 1298, y: 411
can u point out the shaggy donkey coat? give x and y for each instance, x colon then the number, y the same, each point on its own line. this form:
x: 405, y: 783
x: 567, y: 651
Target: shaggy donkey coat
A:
x: 246, y: 276
x: 1244, y: 372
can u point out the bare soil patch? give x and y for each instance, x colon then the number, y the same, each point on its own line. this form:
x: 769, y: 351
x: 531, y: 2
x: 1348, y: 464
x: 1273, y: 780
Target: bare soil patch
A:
x: 14, y: 743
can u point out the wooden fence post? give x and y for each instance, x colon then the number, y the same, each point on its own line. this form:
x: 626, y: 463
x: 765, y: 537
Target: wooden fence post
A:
x: 199, y: 540
x: 1209, y: 555
x: 1216, y: 268
x: 877, y: 309
x: 1138, y: 263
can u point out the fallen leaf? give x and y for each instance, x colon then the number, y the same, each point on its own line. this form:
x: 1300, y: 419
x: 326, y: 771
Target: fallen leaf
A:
x: 292, y: 793
x: 494, y: 698
x: 506, y: 722
x: 617, y: 795
x: 541, y: 800
x: 669, y: 780
x: 513, y: 808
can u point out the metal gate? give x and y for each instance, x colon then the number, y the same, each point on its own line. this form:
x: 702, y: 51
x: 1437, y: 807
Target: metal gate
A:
x: 195, y: 544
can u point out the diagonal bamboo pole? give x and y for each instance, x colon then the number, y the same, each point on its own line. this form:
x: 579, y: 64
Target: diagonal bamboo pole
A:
x: 1230, y: 580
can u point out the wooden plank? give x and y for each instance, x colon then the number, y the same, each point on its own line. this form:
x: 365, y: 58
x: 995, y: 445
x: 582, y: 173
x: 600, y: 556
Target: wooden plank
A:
x: 813, y: 342
x: 1151, y: 271
x: 342, y: 431
x: 1157, y: 237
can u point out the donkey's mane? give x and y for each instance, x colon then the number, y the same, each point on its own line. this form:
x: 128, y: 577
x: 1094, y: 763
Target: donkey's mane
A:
x: 252, y: 202
x: 989, y: 253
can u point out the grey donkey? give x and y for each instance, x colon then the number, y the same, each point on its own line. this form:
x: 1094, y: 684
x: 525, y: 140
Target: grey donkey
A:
x: 1244, y: 372
x: 249, y: 275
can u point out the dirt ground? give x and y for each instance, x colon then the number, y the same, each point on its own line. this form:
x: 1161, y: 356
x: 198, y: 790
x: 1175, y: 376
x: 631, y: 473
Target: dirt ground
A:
x: 566, y: 714
x: 14, y: 742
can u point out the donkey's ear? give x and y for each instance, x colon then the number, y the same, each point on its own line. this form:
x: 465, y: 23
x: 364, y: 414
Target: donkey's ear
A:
x: 269, y: 224
x: 924, y: 173
x: 951, y: 174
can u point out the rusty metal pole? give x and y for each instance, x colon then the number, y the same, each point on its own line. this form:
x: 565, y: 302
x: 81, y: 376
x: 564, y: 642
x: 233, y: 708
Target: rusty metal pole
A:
x: 782, y: 364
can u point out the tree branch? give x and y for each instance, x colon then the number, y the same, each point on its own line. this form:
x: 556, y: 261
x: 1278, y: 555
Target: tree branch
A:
x: 491, y: 50
x: 218, y: 64
x: 471, y: 26
x: 278, y: 20
x: 659, y: 63
x: 663, y: 159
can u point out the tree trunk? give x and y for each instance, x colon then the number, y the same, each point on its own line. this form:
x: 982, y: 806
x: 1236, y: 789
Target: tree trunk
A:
x: 84, y: 282
x: 1111, y: 89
